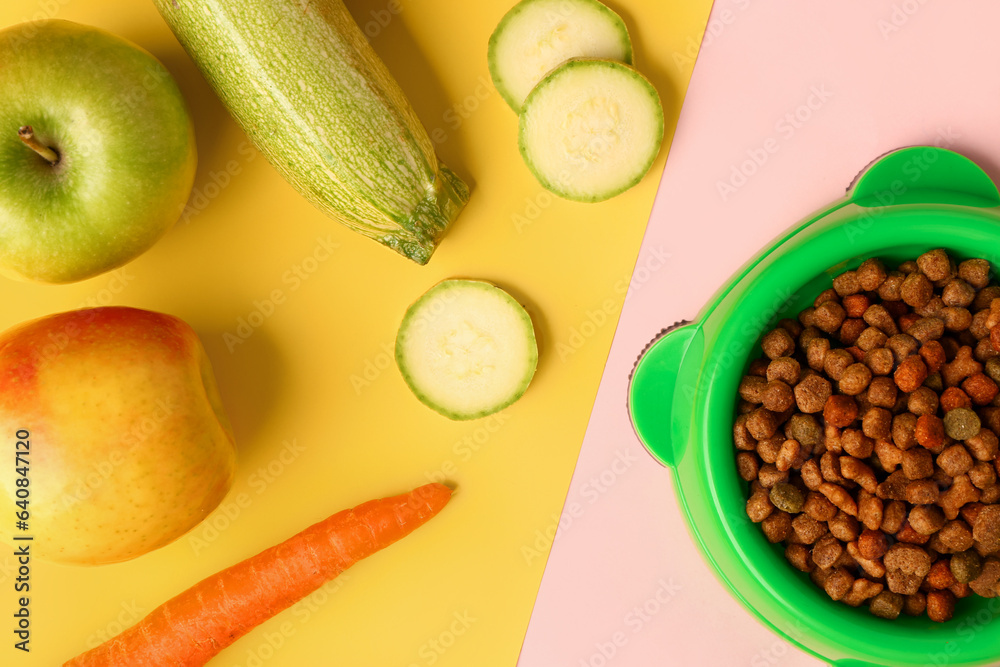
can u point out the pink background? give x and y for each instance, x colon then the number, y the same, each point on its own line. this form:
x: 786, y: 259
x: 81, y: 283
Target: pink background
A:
x: 624, y: 585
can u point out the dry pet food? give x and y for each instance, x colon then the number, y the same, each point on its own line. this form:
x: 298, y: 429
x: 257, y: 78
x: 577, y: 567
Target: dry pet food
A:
x: 868, y: 434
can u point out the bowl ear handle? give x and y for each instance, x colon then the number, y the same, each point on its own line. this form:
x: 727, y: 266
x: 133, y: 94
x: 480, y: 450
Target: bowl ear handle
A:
x: 923, y: 175
x: 652, y: 388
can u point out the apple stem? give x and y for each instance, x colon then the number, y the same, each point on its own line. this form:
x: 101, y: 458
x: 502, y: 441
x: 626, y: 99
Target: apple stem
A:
x: 27, y: 135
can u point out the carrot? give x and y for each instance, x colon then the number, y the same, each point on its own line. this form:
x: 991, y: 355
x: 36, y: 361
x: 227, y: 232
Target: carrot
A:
x: 191, y: 628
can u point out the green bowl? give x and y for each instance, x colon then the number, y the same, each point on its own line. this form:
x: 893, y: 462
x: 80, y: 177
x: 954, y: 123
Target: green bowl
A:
x: 683, y: 393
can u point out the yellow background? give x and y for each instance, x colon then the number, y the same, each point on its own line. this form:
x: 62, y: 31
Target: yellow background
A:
x: 319, y: 371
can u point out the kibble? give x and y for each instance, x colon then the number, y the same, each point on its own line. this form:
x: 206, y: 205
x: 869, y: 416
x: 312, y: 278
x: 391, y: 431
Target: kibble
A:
x: 961, y: 424
x: 867, y: 432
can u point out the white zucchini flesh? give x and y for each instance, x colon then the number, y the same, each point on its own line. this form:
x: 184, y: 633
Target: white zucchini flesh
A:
x: 591, y: 129
x: 536, y: 36
x: 466, y: 349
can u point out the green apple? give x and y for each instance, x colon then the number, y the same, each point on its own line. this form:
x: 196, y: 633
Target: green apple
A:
x: 127, y: 444
x: 97, y: 151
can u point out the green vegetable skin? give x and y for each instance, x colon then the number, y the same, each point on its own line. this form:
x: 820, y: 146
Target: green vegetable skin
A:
x: 466, y: 349
x: 309, y: 91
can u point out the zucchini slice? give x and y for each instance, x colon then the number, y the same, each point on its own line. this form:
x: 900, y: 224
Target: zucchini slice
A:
x: 536, y: 36
x: 591, y: 129
x: 466, y: 349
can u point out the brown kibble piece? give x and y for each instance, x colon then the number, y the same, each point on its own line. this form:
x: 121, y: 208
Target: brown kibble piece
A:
x: 741, y: 436
x: 915, y: 605
x: 870, y: 339
x: 887, y: 605
x: 891, y: 288
x: 871, y: 274
x: 838, y: 583
x: 811, y: 474
x: 935, y: 264
x: 799, y: 555
x: 980, y: 388
x: 922, y: 492
x: 777, y: 527
x: 768, y: 449
x: 778, y: 396
x: 940, y: 606
x: 955, y: 319
x: 844, y: 527
x: 882, y: 391
x: 811, y: 394
x: 954, y: 460
x: 959, y: 494
x: 985, y: 585
x: 816, y: 352
x: 877, y: 423
x: 870, y: 510
x: 829, y: 316
x: 826, y: 552
x: 976, y: 272
x: 929, y: 432
x: 916, y: 290
x: 847, y: 283
x: 819, y: 508
x: 839, y: 497
x: 986, y: 528
x: 807, y: 529
x: 769, y: 475
x: 958, y: 293
x: 933, y: 354
x: 855, y: 305
x: 759, y: 507
x: 910, y: 560
x: 940, y: 576
x: 925, y: 519
x: 961, y: 367
x: 918, y: 463
x: 889, y: 455
x: 778, y: 343
x: 829, y: 465
x: 880, y: 361
x: 836, y: 362
x: 985, y: 297
x: 923, y: 401
x: 849, y: 332
x: 747, y: 465
x: 856, y: 443
x: 784, y: 369
x: 858, y: 471
x: 893, y: 517
x: 910, y: 374
x: 840, y: 411
x: 909, y: 536
x: 953, y: 398
x: 762, y: 423
x: 982, y: 474
x: 872, y: 544
x: 855, y: 379
x: 983, y: 446
x: 861, y: 591
x: 926, y: 329
x: 893, y: 487
x: 789, y: 456
x: 904, y: 430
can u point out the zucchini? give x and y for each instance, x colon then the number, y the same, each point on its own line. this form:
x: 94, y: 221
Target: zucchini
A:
x: 536, y: 36
x: 591, y: 129
x: 304, y: 84
x: 466, y: 349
